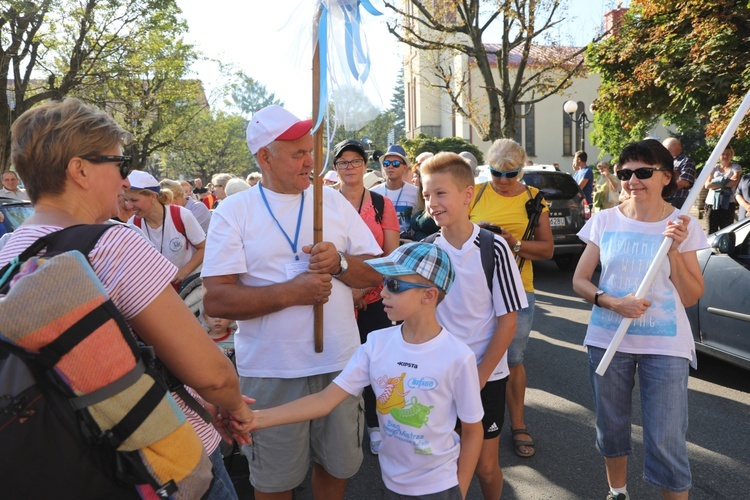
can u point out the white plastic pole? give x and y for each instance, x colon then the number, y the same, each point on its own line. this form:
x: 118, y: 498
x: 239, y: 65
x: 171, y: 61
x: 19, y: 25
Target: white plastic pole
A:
x: 648, y: 279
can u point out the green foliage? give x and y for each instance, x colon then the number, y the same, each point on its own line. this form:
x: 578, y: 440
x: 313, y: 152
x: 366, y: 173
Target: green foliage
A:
x: 422, y: 143
x: 249, y: 95
x: 398, y: 108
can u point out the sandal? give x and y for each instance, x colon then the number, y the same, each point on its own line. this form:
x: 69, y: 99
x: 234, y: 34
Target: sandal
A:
x: 518, y: 443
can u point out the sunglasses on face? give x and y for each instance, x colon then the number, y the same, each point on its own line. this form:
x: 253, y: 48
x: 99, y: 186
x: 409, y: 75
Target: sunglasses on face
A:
x: 123, y: 162
x: 397, y: 286
x: 346, y: 165
x: 391, y: 163
x: 641, y: 173
x: 510, y: 174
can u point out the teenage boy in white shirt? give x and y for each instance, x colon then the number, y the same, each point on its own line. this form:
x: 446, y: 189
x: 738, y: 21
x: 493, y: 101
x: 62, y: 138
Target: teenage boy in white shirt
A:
x: 484, y: 319
x: 423, y: 377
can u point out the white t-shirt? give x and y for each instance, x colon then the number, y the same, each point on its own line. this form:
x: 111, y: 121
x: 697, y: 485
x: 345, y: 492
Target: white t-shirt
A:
x: 626, y: 249
x: 469, y: 311
x: 281, y: 344
x: 169, y: 241
x: 404, y: 200
x: 420, y: 390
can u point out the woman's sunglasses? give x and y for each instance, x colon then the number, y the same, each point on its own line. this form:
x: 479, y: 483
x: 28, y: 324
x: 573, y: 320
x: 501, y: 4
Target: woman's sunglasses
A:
x: 123, y: 162
x: 510, y: 174
x: 397, y: 286
x: 641, y: 173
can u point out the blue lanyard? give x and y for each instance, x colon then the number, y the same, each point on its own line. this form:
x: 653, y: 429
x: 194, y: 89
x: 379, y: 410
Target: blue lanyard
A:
x: 399, y: 195
x: 292, y: 244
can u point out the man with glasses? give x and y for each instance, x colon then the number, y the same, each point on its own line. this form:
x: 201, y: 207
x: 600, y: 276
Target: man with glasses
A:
x: 10, y: 187
x: 261, y: 269
x: 403, y: 195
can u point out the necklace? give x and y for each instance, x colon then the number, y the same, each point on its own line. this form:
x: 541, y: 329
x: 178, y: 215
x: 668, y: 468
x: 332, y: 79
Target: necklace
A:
x: 163, y: 220
x: 361, y: 200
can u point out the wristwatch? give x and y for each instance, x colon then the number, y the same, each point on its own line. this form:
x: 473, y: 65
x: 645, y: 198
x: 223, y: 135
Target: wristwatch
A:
x: 598, y: 294
x: 517, y: 247
x: 343, y: 265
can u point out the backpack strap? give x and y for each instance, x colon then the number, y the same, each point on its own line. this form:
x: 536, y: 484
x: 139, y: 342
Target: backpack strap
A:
x: 378, y: 203
x: 486, y: 252
x: 138, y: 222
x: 479, y: 194
x: 174, y: 211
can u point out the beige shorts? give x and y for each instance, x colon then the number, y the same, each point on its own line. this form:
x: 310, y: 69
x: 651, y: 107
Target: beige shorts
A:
x: 279, y: 457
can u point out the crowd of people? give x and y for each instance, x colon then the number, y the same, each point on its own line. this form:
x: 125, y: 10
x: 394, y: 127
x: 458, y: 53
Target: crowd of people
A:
x: 416, y: 353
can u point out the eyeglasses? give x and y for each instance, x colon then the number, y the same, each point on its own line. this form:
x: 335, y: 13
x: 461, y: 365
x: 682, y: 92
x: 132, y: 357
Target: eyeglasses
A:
x: 397, y: 286
x: 510, y: 174
x: 346, y: 165
x: 640, y: 173
x: 123, y: 162
x: 392, y: 163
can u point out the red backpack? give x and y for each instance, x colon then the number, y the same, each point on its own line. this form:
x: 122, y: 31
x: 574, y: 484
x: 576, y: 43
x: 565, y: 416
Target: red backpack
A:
x: 174, y: 211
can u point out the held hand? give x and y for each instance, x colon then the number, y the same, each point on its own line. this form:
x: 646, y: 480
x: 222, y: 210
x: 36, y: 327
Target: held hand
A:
x: 313, y: 288
x: 237, y: 423
x: 358, y: 295
x: 323, y: 257
x: 631, y: 306
x: 678, y: 231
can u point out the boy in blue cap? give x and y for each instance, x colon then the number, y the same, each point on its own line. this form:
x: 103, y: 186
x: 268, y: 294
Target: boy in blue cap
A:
x: 424, y: 378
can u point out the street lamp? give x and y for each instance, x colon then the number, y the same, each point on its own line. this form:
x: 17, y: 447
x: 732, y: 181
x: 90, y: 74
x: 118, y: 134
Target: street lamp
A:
x: 570, y: 107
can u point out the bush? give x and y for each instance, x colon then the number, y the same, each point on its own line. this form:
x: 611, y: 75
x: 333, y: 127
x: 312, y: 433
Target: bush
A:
x: 422, y: 143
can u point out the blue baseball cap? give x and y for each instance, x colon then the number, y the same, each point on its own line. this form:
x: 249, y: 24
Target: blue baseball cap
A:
x: 425, y: 259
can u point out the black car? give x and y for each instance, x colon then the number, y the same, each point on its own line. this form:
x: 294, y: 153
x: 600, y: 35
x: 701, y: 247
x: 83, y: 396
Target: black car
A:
x: 721, y: 319
x: 567, y: 211
x: 15, y: 212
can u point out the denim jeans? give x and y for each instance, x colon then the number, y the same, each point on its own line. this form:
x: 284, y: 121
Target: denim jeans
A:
x: 222, y: 488
x: 664, y: 404
x: 524, y: 319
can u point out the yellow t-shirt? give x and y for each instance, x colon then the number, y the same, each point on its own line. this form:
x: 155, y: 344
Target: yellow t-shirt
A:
x: 508, y: 213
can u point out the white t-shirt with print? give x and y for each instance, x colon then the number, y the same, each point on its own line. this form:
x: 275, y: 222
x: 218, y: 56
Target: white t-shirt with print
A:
x: 626, y: 249
x: 169, y: 241
x: 469, y: 311
x: 404, y: 200
x: 420, y: 390
x: 244, y: 239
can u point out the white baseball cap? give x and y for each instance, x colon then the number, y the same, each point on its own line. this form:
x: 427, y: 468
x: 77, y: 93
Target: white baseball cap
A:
x: 274, y: 123
x: 143, y: 180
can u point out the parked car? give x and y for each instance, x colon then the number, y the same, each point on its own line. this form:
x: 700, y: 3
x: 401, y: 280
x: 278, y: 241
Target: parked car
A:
x: 15, y: 212
x: 568, y: 211
x: 721, y: 319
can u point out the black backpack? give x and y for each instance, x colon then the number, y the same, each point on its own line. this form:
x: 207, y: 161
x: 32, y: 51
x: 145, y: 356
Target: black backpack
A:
x: 58, y: 441
x: 486, y: 247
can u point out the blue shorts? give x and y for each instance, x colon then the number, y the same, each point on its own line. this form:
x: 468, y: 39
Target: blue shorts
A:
x: 663, y: 384
x: 524, y: 319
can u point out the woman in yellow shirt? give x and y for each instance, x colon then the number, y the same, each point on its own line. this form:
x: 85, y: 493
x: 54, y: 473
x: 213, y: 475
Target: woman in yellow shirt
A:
x: 502, y: 202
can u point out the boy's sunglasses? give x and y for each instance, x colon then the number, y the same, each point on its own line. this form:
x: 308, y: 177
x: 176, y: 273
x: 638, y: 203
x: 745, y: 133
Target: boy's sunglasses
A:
x: 392, y: 163
x: 123, y: 162
x: 641, y: 173
x: 510, y: 175
x: 397, y: 286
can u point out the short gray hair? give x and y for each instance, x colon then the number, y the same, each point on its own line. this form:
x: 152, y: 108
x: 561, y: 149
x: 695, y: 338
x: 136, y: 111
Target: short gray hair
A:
x: 506, y: 155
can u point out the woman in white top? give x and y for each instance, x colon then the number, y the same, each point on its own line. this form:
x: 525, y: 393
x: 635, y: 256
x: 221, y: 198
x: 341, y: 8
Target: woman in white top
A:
x: 184, y: 246
x: 722, y: 184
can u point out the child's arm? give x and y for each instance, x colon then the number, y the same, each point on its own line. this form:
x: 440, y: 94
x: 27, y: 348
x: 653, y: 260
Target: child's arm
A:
x: 472, y: 437
x: 501, y: 339
x: 307, y: 408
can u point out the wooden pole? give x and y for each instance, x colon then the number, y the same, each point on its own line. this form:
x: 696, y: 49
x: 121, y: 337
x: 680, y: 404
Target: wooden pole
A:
x: 317, y: 170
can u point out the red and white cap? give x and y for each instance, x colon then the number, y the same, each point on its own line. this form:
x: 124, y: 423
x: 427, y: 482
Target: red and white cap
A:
x: 274, y: 123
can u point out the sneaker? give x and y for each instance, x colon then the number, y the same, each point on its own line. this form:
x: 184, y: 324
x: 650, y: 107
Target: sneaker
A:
x: 375, y: 440
x: 617, y: 496
x: 414, y: 414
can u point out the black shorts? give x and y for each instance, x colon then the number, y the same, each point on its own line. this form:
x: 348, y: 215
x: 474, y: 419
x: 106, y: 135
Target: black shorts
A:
x: 493, y: 403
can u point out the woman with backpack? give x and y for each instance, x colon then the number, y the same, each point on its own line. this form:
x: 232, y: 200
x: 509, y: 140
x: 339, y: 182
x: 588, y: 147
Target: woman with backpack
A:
x: 505, y: 202
x: 173, y: 230
x: 378, y: 213
x: 71, y: 156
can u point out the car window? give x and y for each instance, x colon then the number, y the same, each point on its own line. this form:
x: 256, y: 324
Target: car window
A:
x: 555, y: 186
x: 15, y: 215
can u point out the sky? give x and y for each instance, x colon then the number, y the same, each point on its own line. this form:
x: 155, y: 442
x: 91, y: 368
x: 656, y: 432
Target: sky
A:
x: 271, y: 42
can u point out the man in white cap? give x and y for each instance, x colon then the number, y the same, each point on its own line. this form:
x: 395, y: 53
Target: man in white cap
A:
x: 263, y: 271
x: 402, y: 194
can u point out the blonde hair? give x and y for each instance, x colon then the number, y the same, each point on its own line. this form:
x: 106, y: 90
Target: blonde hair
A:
x: 45, y: 138
x: 173, y: 187
x: 506, y: 155
x: 164, y: 196
x: 451, y: 164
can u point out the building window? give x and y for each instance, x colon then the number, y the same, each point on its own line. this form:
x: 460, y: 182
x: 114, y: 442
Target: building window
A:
x: 579, y: 128
x: 529, y: 130
x: 567, y: 136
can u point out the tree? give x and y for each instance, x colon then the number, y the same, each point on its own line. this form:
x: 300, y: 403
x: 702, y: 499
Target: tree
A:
x: 398, y: 108
x: 452, y: 27
x: 48, y: 48
x: 249, y: 95
x: 423, y: 143
x: 686, y: 62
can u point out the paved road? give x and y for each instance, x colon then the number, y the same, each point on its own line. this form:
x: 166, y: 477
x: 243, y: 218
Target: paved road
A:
x: 560, y: 416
